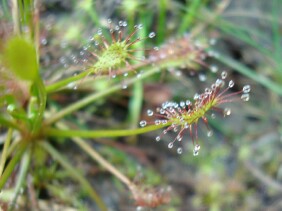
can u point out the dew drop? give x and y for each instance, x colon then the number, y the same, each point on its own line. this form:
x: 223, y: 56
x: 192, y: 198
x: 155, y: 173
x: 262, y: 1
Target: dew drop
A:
x: 195, y: 153
x: 124, y: 86
x: 214, y: 68
x: 158, y: 138
x: 125, y: 74
x: 75, y: 87
x: 139, y: 208
x: 219, y: 83
x: 231, y: 84
x: 223, y: 74
x: 197, y: 147
x: 188, y: 102
x: 245, y: 97
x: 120, y: 23
x: 150, y: 113
x: 152, y: 35
x: 44, y: 41
x: 202, y: 77
x: 164, y: 122
x: 196, y: 96
x: 109, y: 20
x: 157, y: 122
x: 170, y: 145
x: 213, y: 115
x: 11, y: 107
x: 212, y: 41
x: 182, y: 104
x: 124, y: 24
x: 99, y: 32
x: 246, y: 88
x: 210, y: 133
x: 143, y: 123
x: 156, y: 48
x: 179, y: 150
x: 179, y: 138
x: 227, y: 111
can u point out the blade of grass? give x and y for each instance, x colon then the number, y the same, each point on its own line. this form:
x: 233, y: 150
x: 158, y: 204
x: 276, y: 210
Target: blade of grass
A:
x: 22, y: 176
x: 75, y: 174
x: 5, y: 150
x: 13, y: 162
x: 192, y: 10
x: 239, y: 67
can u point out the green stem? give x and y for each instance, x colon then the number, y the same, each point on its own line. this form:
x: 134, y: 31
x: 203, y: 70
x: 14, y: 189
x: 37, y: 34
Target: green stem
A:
x: 251, y: 74
x: 14, y: 161
x: 89, y: 99
x: 162, y: 21
x: 60, y: 84
x: 75, y: 174
x: 25, y: 161
x: 100, y: 133
x: 5, y: 150
x: 190, y: 15
x: 42, y: 104
x: 7, y: 123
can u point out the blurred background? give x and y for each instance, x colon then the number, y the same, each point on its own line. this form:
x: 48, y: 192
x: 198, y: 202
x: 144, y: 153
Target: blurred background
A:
x: 240, y: 166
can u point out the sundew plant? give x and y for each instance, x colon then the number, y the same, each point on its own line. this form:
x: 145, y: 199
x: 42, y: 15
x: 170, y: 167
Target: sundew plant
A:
x: 82, y: 92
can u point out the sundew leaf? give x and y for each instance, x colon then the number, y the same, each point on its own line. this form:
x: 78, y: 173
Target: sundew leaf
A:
x: 20, y: 57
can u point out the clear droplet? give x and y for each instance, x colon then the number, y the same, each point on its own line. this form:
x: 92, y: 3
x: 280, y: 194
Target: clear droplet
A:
x: 214, y: 68
x: 182, y: 104
x: 179, y: 138
x: 158, y: 138
x: 223, y: 74
x: 170, y: 145
x: 124, y: 86
x: 246, y: 88
x: 152, y: 35
x: 231, y: 84
x: 195, y: 152
x: 197, y: 147
x: 219, y: 83
x: 143, y: 123
x: 213, y: 115
x: 209, y: 133
x: 157, y: 122
x: 44, y: 41
x: 99, y: 32
x: 150, y: 113
x: 11, y: 107
x: 139, y: 208
x: 212, y: 41
x: 202, y: 77
x: 156, y: 48
x: 245, y: 97
x: 179, y: 150
x: 227, y: 111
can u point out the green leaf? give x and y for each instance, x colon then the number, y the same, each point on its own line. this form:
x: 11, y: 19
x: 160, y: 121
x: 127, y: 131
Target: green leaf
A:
x: 21, y: 58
